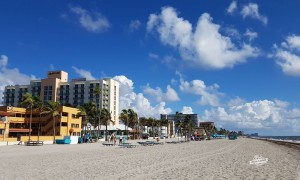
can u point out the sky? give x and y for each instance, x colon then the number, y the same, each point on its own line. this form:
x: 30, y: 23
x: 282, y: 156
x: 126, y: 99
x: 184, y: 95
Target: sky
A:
x: 236, y: 63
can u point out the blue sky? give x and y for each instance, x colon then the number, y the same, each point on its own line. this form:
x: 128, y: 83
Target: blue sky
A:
x: 234, y: 62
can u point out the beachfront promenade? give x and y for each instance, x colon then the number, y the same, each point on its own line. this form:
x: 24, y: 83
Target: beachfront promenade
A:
x: 215, y: 159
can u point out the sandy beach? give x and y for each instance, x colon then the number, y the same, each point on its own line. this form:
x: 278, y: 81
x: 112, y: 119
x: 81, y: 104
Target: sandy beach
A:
x: 215, y: 159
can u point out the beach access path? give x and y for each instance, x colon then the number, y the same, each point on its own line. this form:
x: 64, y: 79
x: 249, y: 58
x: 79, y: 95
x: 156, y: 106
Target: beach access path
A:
x: 214, y: 159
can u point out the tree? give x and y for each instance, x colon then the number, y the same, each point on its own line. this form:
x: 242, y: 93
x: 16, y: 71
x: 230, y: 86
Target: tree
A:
x: 188, y: 124
x: 98, y: 92
x: 133, y: 120
x: 28, y: 101
x: 106, y: 119
x: 40, y: 108
x: 87, y: 112
x: 165, y: 122
x: 179, y: 122
x: 179, y: 126
x: 151, y: 122
x: 125, y: 119
x: 143, y: 123
x: 53, y: 108
x: 158, y: 125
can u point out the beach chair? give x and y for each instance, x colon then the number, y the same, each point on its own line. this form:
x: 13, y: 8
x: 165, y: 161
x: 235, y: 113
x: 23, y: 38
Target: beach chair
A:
x: 108, y: 144
x: 127, y: 145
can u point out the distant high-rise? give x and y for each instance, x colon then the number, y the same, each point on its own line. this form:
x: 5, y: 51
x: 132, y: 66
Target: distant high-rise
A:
x: 77, y: 92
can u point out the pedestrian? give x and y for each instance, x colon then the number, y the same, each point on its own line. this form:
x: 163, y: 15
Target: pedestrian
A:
x: 114, y: 139
x: 120, y: 140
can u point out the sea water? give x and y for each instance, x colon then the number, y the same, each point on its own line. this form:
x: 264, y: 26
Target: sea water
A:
x: 295, y: 139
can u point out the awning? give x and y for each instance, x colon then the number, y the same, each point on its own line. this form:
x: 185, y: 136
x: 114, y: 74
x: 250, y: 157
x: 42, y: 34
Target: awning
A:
x: 18, y: 130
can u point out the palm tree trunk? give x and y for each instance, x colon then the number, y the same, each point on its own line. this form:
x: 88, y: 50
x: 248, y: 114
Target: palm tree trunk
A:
x: 30, y: 122
x: 106, y: 131
x: 39, y: 128
x: 54, y: 129
x: 99, y: 123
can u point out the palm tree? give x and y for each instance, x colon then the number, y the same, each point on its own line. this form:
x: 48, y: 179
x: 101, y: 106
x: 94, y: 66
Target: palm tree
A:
x: 125, y: 119
x: 87, y: 112
x: 179, y: 126
x: 53, y: 108
x: 165, y: 122
x: 133, y: 120
x: 40, y: 108
x: 143, y: 122
x: 179, y: 121
x: 106, y: 119
x: 158, y: 125
x: 151, y: 122
x: 28, y: 102
x: 188, y: 123
x: 98, y: 92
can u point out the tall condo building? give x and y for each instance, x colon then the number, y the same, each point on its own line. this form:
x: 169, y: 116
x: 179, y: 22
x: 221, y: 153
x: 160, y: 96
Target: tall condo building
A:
x: 76, y: 92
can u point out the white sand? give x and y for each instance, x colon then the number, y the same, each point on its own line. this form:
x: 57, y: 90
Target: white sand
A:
x: 215, y: 159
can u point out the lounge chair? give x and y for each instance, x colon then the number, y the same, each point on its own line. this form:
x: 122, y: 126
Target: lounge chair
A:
x: 108, y: 144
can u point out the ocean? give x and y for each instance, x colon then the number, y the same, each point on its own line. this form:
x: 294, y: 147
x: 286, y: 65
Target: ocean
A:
x: 283, y: 138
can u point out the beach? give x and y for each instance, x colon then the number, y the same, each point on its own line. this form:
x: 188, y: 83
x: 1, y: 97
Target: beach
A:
x: 214, y: 159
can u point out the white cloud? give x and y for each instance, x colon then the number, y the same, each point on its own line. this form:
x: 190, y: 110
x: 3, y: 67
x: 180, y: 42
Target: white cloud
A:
x: 93, y: 22
x: 287, y: 56
x: 250, y: 34
x: 232, y: 7
x: 209, y: 95
x: 293, y: 41
x: 232, y: 32
x: 134, y: 25
x: 153, y: 56
x: 273, y: 116
x: 205, y: 47
x: 251, y: 10
x: 169, y: 96
x: 11, y: 76
x: 187, y: 110
x: 130, y: 99
x: 83, y: 73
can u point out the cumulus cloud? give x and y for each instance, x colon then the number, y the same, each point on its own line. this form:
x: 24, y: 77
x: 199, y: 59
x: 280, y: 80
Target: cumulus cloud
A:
x: 137, y: 101
x: 84, y: 73
x: 206, y: 47
x: 209, y: 95
x: 287, y: 55
x: 250, y: 34
x: 258, y: 116
x: 11, y: 76
x: 169, y: 96
x: 251, y: 10
x: 187, y: 110
x: 232, y: 7
x: 93, y: 22
x: 134, y: 25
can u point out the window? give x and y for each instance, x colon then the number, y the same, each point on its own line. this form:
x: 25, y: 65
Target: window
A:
x: 64, y: 124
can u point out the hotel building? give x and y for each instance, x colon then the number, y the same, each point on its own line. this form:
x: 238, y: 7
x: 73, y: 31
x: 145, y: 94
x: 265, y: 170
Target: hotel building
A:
x: 14, y: 124
x: 76, y: 92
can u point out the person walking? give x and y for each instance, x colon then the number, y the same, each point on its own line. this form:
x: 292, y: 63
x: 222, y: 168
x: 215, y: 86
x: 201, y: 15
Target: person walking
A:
x: 114, y: 139
x: 120, y: 140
